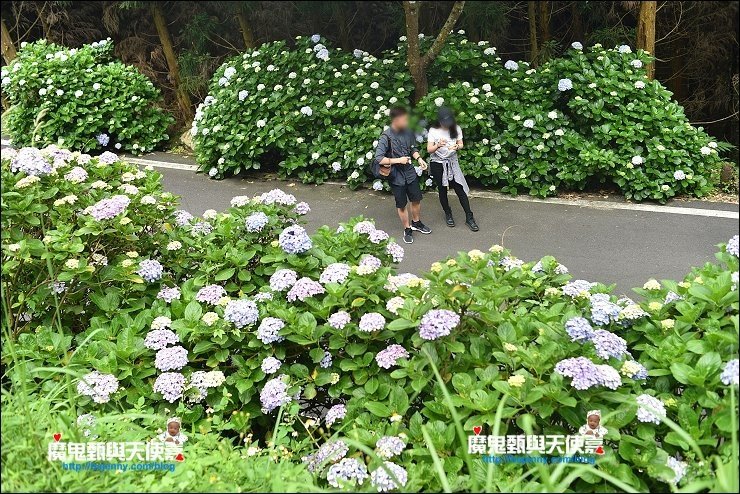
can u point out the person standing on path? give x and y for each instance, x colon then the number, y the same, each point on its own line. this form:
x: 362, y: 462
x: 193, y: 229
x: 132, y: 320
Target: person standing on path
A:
x: 445, y: 139
x: 397, y: 147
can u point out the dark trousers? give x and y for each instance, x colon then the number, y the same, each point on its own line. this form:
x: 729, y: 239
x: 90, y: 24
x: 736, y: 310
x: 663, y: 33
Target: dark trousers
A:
x: 436, y: 171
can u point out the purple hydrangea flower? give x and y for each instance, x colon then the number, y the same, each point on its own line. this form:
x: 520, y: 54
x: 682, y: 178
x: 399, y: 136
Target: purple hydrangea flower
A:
x: 348, y: 472
x: 151, y: 270
x: 170, y: 385
x: 729, y: 376
x: 172, y: 358
x: 579, y: 329
x: 255, y: 222
x: 210, y: 294
x: 650, y: 409
x: 378, y: 236
x: 387, y: 358
x: 302, y: 208
x: 384, y: 482
x: 295, y: 240
x: 326, y: 360
x: 339, y: 320
x: 337, y: 412
x: 242, y: 312
x: 437, y: 323
x: 368, y: 265
x: 274, y: 394
x: 168, y: 294
x: 76, y: 175
x: 510, y: 263
x: 182, y: 217
x: 283, y: 279
x: 364, y: 227
x: 733, y: 246
x: 372, y: 321
x: 581, y: 370
x: 575, y: 288
x: 262, y: 296
x: 303, y: 289
x: 329, y: 452
x: 671, y: 297
x: 565, y: 84
x: 395, y: 251
x: 603, y: 310
x: 608, y: 344
x: 276, y: 196
x: 270, y: 365
x: 102, y: 139
x: 107, y: 158
x: 608, y: 376
x: 335, y: 273
x: 389, y: 446
x: 269, y: 329
x: 98, y: 386
x: 157, y: 339
x: 106, y: 209
x: 31, y: 162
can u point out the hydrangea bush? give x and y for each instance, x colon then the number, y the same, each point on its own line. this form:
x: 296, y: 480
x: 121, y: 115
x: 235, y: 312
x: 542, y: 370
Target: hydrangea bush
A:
x: 82, y: 99
x: 589, y: 117
x: 220, y: 320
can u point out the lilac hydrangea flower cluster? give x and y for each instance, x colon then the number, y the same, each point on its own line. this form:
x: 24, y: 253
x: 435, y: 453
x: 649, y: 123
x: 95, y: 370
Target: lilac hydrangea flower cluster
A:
x: 269, y: 329
x: 76, y: 175
x: 389, y: 446
x: 608, y: 345
x: 151, y: 270
x: 384, y: 482
x: 608, y: 376
x: 378, y: 236
x: 276, y: 196
x: 671, y: 297
x: 368, y: 265
x: 565, y: 84
x: 329, y: 452
x: 579, y: 329
x: 603, y: 310
x: 107, y: 158
x: 262, y: 296
x: 302, y: 208
x: 255, y: 222
x: 437, y: 323
x: 395, y: 251
x: 337, y: 412
x: 242, y: 312
x: 339, y: 320
x: 387, y: 358
x: 729, y: 376
x: 585, y: 373
x: 335, y: 273
x: 172, y: 358
x: 182, y: 217
x: 106, y: 209
x: 170, y: 385
x: 98, y: 386
x: 650, y: 409
x: 210, y: 294
x: 209, y: 379
x: 364, y: 227
x: 158, y: 339
x: 294, y: 240
x: 733, y: 246
x: 326, y: 360
x: 577, y: 287
x: 679, y: 469
x: 283, y: 279
x: 270, y: 365
x: 372, y: 321
x: 303, y: 289
x: 31, y: 162
x: 274, y: 394
x: 509, y: 263
x: 349, y: 471
x: 168, y: 294
x: 102, y: 139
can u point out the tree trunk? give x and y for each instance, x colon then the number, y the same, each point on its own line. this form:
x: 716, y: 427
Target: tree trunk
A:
x: 532, y: 14
x: 577, y: 22
x: 183, y: 99
x: 343, y: 27
x: 544, y: 22
x: 246, y: 29
x: 646, y: 33
x: 8, y: 47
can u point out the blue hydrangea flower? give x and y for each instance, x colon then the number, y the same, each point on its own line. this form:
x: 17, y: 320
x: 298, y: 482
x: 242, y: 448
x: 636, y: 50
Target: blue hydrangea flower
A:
x: 650, y: 409
x: 255, y: 222
x: 240, y: 313
x: 295, y: 240
x: 729, y: 376
x: 579, y: 329
x: 608, y: 345
x: 151, y: 270
x: 437, y: 323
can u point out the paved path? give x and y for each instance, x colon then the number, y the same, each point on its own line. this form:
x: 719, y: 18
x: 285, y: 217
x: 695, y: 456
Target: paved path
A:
x: 607, y: 241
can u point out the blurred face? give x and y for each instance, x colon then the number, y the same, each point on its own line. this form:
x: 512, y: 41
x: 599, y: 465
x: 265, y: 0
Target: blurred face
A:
x: 401, y: 122
x: 173, y: 428
x: 593, y: 421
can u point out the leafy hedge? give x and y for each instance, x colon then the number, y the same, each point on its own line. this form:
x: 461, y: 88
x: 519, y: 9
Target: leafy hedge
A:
x: 247, y: 328
x: 318, y: 112
x: 81, y: 98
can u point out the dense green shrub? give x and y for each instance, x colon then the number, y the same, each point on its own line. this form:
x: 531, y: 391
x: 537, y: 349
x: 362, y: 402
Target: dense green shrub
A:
x: 523, y: 134
x: 223, y: 319
x: 82, y: 99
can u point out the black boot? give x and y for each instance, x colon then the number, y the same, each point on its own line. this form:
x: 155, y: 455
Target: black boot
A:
x: 470, y: 221
x: 449, y: 219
